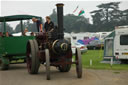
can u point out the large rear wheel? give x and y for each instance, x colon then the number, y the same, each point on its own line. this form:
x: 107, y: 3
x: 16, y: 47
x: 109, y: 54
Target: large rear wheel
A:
x: 4, y: 66
x: 78, y: 63
x: 47, y: 64
x: 32, y: 58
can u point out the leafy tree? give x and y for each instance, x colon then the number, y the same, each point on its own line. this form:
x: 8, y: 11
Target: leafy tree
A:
x: 108, y: 7
x: 8, y: 28
x: 54, y: 16
x: 27, y: 25
x: 18, y: 28
x: 30, y: 26
x: 72, y: 23
x: 105, y: 18
x: 108, y: 16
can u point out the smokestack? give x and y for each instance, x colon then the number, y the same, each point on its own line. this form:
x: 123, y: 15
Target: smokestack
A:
x: 60, y: 19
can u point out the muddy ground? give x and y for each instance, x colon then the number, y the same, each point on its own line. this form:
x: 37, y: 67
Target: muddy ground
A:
x: 18, y: 75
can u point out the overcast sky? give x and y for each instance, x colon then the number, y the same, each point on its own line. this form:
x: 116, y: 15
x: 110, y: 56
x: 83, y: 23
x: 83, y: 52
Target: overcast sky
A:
x: 44, y: 8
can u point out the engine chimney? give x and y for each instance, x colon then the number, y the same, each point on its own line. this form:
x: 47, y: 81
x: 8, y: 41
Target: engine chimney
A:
x: 60, y: 20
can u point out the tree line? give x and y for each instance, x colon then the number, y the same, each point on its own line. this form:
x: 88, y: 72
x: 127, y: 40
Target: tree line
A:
x: 105, y: 18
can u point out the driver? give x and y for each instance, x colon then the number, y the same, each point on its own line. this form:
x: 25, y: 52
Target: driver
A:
x: 39, y: 24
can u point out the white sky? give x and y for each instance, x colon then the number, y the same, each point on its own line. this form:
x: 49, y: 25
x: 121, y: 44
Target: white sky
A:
x: 44, y: 8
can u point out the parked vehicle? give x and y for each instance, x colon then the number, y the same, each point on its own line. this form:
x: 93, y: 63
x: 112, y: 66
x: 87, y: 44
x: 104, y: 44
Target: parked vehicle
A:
x: 95, y: 44
x: 82, y: 47
x: 116, y: 44
x: 13, y: 47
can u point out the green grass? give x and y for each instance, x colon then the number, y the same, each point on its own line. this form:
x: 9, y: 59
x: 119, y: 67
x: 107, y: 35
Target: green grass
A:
x: 97, y: 57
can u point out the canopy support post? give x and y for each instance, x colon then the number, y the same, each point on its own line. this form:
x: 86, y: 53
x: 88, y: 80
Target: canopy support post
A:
x: 21, y: 22
x: 4, y: 26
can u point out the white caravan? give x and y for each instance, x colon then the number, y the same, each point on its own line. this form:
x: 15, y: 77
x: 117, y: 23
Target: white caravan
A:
x: 121, y: 42
x: 116, y: 44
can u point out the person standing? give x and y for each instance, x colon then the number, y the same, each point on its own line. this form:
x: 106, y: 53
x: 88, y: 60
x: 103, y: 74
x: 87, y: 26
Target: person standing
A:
x: 39, y: 24
x: 49, y: 25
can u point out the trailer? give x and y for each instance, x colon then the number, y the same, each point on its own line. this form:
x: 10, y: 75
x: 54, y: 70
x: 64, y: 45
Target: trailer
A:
x: 13, y: 47
x: 116, y: 44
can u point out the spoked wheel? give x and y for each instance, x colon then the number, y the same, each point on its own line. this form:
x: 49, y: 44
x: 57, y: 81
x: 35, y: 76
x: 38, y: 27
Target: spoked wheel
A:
x: 32, y: 58
x: 47, y: 64
x: 4, y: 66
x: 65, y: 68
x: 78, y: 63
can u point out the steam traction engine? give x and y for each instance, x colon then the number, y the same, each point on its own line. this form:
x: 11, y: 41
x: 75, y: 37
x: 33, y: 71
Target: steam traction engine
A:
x: 51, y: 49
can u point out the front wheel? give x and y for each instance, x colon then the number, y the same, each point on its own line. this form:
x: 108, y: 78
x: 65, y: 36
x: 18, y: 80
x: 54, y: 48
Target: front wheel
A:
x: 78, y: 63
x: 47, y: 56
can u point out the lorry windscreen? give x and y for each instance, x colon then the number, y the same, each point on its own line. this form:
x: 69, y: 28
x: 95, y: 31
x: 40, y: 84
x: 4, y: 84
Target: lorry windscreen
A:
x: 124, y: 40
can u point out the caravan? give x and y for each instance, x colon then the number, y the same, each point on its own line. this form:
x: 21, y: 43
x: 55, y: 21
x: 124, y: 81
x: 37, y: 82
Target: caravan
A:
x: 116, y: 44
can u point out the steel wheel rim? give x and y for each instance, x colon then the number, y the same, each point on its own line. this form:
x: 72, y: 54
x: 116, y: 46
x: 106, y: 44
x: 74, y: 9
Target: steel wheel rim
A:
x: 78, y: 63
x: 29, y: 58
x: 47, y: 64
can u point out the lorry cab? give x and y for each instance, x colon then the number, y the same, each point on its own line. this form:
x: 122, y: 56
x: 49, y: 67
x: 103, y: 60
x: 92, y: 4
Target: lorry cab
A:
x: 121, y: 42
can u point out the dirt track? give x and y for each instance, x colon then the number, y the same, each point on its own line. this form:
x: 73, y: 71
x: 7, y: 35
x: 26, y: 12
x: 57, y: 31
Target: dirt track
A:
x: 18, y: 75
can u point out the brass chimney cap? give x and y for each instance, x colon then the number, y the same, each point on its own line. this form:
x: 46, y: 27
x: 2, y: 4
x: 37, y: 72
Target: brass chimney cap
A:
x: 60, y: 5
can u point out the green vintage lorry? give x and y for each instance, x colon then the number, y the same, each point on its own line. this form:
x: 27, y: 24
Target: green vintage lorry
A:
x: 13, y: 47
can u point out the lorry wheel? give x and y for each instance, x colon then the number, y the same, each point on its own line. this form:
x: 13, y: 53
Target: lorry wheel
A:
x: 32, y: 58
x: 47, y: 56
x: 78, y: 63
x: 65, y: 68
x: 36, y: 58
x: 4, y: 66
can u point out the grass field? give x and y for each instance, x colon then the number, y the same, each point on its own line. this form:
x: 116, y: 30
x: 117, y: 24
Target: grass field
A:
x: 97, y: 57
